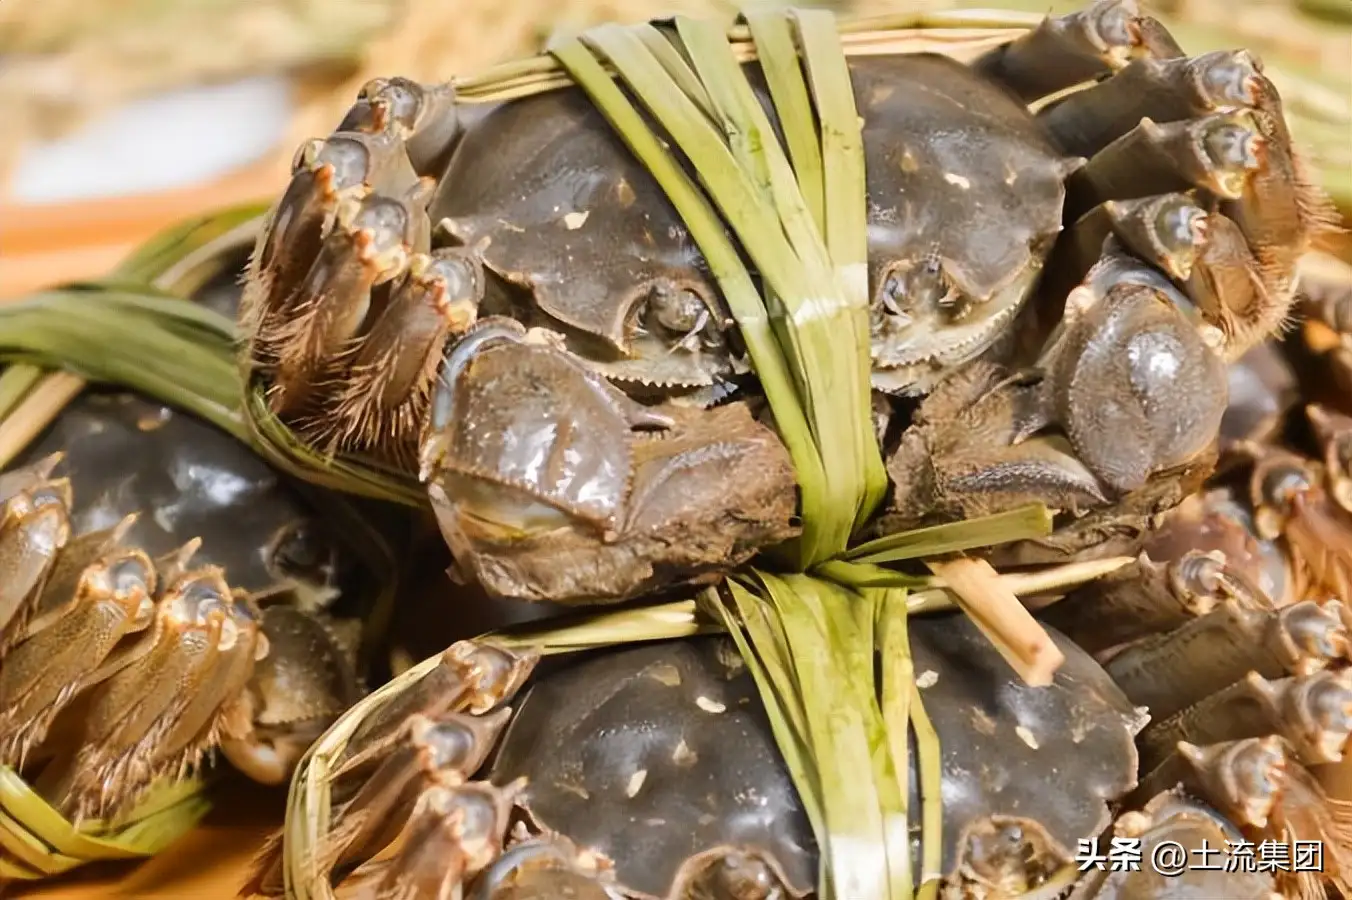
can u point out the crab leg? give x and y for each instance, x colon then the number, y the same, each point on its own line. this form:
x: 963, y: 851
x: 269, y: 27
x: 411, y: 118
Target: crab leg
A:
x: 1212, y: 122
x: 1313, y: 713
x: 444, y: 749
x: 457, y: 830
x: 1064, y: 51
x: 134, y: 712
x: 1218, y: 152
x: 1334, y: 432
x: 99, y: 594
x: 34, y: 526
x: 1168, y: 231
x: 1149, y: 597
x: 1256, y: 783
x: 342, y: 282
x: 216, y: 698
x: 1290, y: 502
x: 392, y: 372
x: 473, y: 677
x: 1209, y: 653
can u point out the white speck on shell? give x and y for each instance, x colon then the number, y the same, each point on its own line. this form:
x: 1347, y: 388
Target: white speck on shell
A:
x: 635, y: 783
x: 710, y: 706
x: 957, y: 180
x: 927, y: 679
x: 1026, y: 736
x: 575, y: 220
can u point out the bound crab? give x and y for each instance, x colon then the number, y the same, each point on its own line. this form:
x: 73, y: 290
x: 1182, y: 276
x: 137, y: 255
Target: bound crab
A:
x: 665, y: 782
x: 163, y: 595
x: 1232, y: 625
x: 511, y: 304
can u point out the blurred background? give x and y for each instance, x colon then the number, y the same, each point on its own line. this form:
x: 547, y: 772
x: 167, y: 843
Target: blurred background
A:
x: 121, y: 116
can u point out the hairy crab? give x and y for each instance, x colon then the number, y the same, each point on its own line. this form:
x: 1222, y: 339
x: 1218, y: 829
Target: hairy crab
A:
x: 665, y: 782
x: 510, y: 303
x: 1231, y: 628
x: 164, y: 595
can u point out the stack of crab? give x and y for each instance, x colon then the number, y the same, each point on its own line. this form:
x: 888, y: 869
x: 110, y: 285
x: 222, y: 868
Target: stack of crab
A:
x: 1072, y: 299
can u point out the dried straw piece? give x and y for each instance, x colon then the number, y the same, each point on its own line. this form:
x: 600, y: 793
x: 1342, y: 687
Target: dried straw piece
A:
x: 1004, y: 621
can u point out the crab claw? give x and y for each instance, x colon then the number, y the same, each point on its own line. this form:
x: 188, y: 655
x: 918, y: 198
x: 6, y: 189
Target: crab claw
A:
x: 301, y: 682
x: 549, y: 867
x: 549, y: 484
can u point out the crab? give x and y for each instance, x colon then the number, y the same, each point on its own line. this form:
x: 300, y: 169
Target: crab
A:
x: 663, y: 781
x: 163, y: 595
x: 1231, y: 630
x: 445, y: 294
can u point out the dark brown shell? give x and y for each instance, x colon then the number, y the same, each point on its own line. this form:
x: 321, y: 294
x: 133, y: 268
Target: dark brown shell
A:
x: 655, y: 754
x: 559, y: 205
x: 1022, y: 759
x: 185, y: 479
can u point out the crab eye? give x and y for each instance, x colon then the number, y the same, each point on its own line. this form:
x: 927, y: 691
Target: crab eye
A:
x: 922, y: 290
x: 681, y: 311
x: 301, y: 553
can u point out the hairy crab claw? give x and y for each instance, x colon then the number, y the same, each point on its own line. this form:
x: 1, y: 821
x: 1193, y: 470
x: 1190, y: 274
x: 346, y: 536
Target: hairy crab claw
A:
x: 530, y: 455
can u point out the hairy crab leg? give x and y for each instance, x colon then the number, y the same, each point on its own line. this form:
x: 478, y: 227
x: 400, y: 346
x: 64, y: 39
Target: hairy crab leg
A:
x: 403, y: 766
x: 1216, y: 122
x: 457, y: 830
x: 473, y: 677
x: 1080, y: 46
x: 392, y: 373
x: 1334, y: 433
x: 1149, y: 597
x: 342, y: 282
x: 34, y: 526
x: 430, y: 750
x: 1313, y: 713
x: 1169, y: 672
x: 1258, y: 784
x: 99, y: 594
x: 1290, y: 502
x: 132, y: 713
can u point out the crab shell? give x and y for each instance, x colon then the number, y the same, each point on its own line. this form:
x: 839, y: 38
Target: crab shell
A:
x: 558, y: 206
x: 660, y: 756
